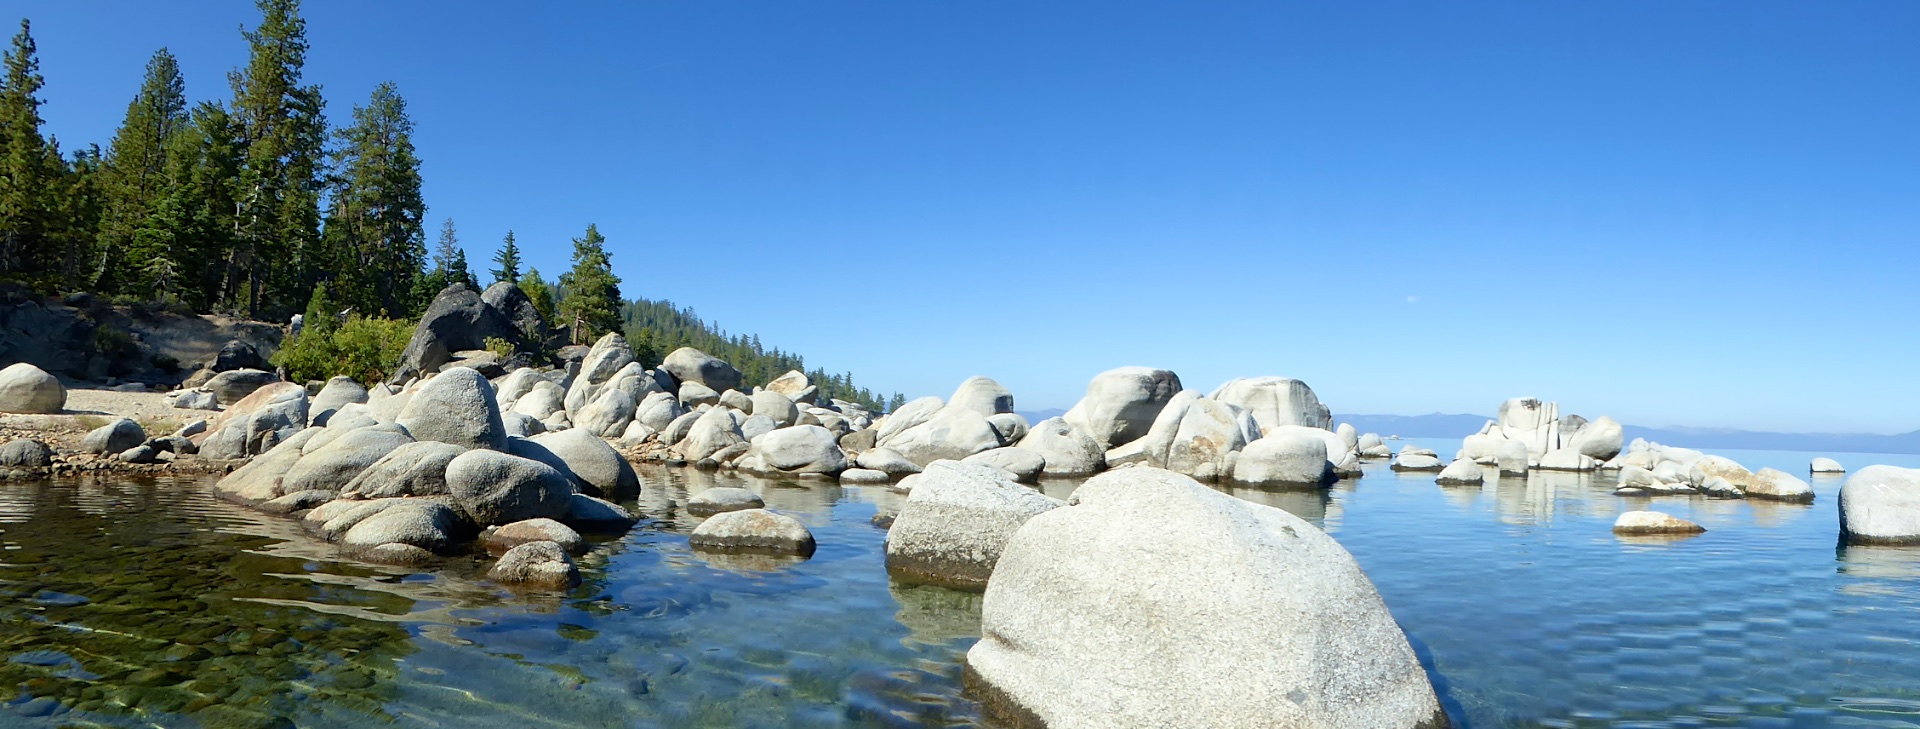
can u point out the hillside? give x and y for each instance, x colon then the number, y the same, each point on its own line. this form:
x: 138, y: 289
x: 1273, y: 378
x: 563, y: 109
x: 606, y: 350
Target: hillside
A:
x: 657, y: 327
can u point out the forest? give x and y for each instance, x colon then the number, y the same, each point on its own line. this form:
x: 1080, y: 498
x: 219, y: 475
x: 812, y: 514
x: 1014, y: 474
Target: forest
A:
x: 254, y: 206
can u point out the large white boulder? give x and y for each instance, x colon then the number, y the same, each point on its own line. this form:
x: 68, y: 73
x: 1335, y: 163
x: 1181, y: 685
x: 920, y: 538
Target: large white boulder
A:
x: 907, y: 416
x: 269, y: 416
x: 1826, y: 465
x: 1122, y: 403
x: 955, y: 522
x: 595, y: 467
x: 951, y: 434
x: 1461, y: 472
x: 609, y: 355
x: 1203, y: 447
x: 337, y: 393
x: 1153, y: 448
x: 1532, y: 422
x: 25, y: 388
x: 1599, y: 439
x: 1068, y: 451
x: 799, y: 449
x: 1276, y: 401
x: 1567, y: 459
x: 1288, y: 456
x: 1653, y: 522
x: 712, y: 431
x: 982, y: 395
x: 1881, y: 505
x: 774, y: 405
x: 457, y: 407
x: 1212, y: 612
x: 687, y: 364
x: 1778, y: 485
x: 495, y: 488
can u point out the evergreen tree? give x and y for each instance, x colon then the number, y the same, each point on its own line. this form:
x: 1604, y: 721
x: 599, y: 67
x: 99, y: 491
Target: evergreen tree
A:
x: 197, y: 218
x: 537, y: 290
x: 591, y: 303
x: 277, y: 252
x: 508, y: 260
x: 31, y: 175
x: 375, y: 229
x: 134, y: 178
x: 450, y: 259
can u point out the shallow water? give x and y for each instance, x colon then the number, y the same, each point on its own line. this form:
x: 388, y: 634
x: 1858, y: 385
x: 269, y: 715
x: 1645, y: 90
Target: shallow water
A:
x: 141, y: 604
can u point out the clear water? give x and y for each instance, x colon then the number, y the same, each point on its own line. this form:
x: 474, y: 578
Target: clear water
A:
x: 141, y: 604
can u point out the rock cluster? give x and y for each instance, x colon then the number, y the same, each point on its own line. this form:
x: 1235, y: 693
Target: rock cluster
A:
x: 1552, y: 441
x: 1647, y: 469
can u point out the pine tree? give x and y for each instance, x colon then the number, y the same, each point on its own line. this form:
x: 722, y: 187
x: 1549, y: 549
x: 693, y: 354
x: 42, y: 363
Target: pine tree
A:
x: 591, y: 303
x: 536, y: 289
x: 508, y: 260
x: 197, y: 215
x: 375, y: 229
x: 31, y: 175
x: 133, y: 180
x: 278, y: 250
x: 450, y: 259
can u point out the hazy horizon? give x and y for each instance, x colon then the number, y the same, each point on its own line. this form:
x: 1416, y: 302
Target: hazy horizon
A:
x: 1690, y: 214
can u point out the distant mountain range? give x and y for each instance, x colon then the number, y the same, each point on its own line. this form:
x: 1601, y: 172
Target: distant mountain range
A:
x: 1441, y: 425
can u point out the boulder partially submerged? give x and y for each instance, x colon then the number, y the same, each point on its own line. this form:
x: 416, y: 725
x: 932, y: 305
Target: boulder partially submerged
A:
x: 1178, y: 566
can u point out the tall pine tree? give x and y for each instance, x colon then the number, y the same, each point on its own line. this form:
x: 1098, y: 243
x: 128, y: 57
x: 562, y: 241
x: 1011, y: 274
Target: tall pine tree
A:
x: 591, y: 305
x: 375, y: 228
x: 134, y: 178
x: 278, y: 252
x: 537, y: 290
x: 32, y: 177
x: 508, y: 260
x: 197, y: 216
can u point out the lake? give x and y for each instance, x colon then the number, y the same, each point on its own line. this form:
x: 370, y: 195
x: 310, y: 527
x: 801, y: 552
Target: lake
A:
x: 128, y: 603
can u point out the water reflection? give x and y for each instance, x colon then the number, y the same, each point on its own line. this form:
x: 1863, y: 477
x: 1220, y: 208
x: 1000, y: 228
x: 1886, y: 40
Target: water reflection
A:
x: 125, y: 603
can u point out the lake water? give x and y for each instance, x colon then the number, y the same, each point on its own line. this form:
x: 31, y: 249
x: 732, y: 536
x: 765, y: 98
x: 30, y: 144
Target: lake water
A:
x: 151, y: 603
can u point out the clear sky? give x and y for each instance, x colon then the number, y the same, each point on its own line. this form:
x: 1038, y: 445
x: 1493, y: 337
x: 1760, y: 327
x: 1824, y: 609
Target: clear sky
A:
x: 1673, y: 213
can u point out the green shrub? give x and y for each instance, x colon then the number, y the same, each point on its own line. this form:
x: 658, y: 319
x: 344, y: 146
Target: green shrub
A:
x: 500, y: 347
x: 114, y: 343
x: 366, y: 349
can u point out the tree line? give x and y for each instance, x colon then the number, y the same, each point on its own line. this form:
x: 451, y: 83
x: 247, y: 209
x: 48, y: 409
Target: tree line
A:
x: 253, y: 206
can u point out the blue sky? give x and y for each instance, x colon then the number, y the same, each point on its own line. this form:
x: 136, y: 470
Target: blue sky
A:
x: 1673, y: 213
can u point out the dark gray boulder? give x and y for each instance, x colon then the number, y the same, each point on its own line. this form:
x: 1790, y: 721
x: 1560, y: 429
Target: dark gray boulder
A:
x: 238, y: 355
x: 457, y: 320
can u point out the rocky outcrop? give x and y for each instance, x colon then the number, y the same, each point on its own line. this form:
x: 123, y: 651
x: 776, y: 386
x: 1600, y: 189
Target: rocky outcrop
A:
x: 955, y: 523
x: 1177, y: 566
x: 457, y: 320
x: 25, y: 388
x: 1881, y: 505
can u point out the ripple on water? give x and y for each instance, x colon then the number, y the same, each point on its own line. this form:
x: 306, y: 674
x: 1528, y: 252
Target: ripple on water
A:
x: 1520, y: 602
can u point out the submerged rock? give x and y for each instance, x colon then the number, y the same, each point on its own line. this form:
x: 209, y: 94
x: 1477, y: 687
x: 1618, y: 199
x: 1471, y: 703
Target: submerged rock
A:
x: 1653, y: 522
x: 503, y: 538
x: 753, y: 530
x: 1826, y: 465
x: 1461, y: 472
x: 543, y: 565
x: 1212, y: 611
x: 722, y: 499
